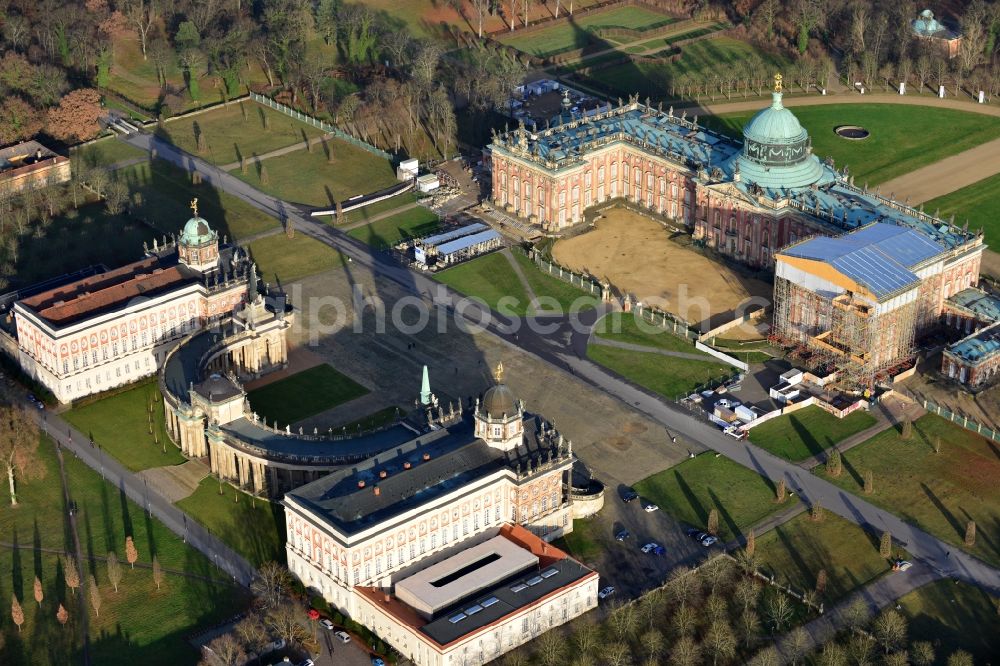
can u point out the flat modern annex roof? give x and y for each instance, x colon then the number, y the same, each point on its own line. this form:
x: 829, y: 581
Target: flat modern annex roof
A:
x: 437, y: 239
x: 467, y: 242
x: 462, y: 575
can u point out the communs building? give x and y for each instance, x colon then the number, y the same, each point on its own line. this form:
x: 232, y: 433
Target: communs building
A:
x: 440, y: 545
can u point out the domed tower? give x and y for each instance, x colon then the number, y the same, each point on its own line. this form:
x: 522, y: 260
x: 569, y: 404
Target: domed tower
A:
x: 499, y: 416
x: 198, y: 246
x: 777, y: 151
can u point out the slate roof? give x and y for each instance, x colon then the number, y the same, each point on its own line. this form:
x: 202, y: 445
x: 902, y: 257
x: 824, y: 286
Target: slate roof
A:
x: 978, y: 347
x: 880, y: 257
x: 986, y: 306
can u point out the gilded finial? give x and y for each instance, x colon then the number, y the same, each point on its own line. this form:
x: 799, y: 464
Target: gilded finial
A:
x: 777, y: 83
x: 194, y: 206
x: 498, y: 373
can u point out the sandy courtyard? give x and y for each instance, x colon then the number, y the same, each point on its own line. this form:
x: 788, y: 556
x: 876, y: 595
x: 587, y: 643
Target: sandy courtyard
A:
x: 636, y: 255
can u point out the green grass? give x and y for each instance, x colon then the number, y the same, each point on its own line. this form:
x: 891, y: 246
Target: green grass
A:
x: 939, y: 493
x: 808, y: 432
x: 376, y: 209
x: 304, y: 394
x: 688, y: 492
x: 575, y: 35
x: 653, y: 79
x: 382, y: 417
x: 551, y: 291
x: 254, y: 528
x: 309, y: 178
x: 228, y: 137
x: 390, y: 231
x: 978, y: 203
x: 106, y: 152
x: 797, y: 550
x: 956, y: 616
x: 626, y: 327
x: 903, y: 138
x: 668, y: 376
x: 582, y: 543
x: 119, y: 424
x: 138, y: 624
x: 490, y: 279
x: 286, y: 260
x: 166, y: 193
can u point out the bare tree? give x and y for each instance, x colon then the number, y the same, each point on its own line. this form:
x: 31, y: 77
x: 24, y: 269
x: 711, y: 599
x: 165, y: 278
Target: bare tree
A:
x: 780, y: 492
x: 685, y: 620
x: 797, y: 645
x: 286, y: 621
x: 885, y: 544
x: 720, y: 642
x: 252, y: 632
x: 19, y: 446
x: 114, y: 570
x: 131, y: 554
x: 39, y: 592
x: 749, y: 627
x: 860, y: 17
x: 95, y: 595
x: 857, y: 614
x: 890, y: 630
x: 766, y: 657
x: 820, y: 582
x: 834, y: 465
x: 551, y: 648
x: 686, y: 652
x: 62, y: 615
x: 16, y: 612
x: 959, y: 658
x: 778, y: 610
x: 923, y: 70
x: 157, y: 572
x: 224, y: 651
x: 71, y: 573
x: 141, y: 15
x: 922, y: 653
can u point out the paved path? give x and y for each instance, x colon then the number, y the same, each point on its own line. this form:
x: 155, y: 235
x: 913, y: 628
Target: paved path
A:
x: 532, y: 298
x: 768, y: 524
x: 947, y: 175
x: 692, y: 356
x: 380, y: 216
x: 84, y: 581
x: 298, y: 145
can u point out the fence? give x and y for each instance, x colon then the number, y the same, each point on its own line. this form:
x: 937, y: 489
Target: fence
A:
x: 963, y: 421
x: 319, y: 124
x: 557, y: 271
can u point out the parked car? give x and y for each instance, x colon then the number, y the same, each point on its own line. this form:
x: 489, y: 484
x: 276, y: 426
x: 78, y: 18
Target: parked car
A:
x: 308, y: 662
x: 709, y: 541
x: 649, y: 507
x: 901, y: 565
x: 693, y: 533
x: 621, y: 535
x: 629, y: 495
x: 326, y: 624
x: 653, y: 548
x: 377, y: 661
x: 606, y: 592
x: 343, y: 636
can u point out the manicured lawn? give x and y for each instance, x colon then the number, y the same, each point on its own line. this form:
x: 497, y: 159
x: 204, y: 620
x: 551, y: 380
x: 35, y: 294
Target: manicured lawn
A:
x: 490, y: 279
x: 120, y: 425
x: 669, y: 376
x: 939, y: 493
x: 903, y: 138
x: 654, y: 79
x: 107, y: 151
x: 304, y: 394
x: 285, y: 260
x: 582, y: 543
x: 690, y: 490
x: 626, y: 327
x: 551, y: 291
x: 807, y: 432
x: 138, y: 624
x: 376, y: 209
x: 797, y: 550
x: 577, y: 34
x: 386, y: 233
x: 382, y: 417
x: 229, y: 137
x: 309, y: 178
x: 978, y: 203
x: 956, y: 616
x: 166, y: 194
x: 253, y: 527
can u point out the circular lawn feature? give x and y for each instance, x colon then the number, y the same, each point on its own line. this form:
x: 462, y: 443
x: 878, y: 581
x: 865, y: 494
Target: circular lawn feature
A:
x: 852, y: 132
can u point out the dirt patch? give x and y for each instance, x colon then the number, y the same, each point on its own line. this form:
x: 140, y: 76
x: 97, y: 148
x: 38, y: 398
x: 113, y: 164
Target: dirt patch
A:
x: 621, y: 443
x: 636, y: 255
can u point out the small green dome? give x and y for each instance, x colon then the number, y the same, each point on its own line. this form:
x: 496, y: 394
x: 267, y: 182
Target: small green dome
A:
x: 197, y: 231
x: 775, y: 124
x: 776, y: 151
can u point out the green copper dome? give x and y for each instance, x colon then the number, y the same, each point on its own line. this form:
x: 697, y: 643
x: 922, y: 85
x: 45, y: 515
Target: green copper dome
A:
x: 197, y: 231
x: 777, y: 152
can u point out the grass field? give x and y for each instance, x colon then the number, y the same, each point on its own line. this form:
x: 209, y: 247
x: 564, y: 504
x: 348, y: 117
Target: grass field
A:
x: 582, y: 543
x: 978, y: 203
x: 166, y: 192
x: 308, y: 178
x: 254, y: 528
x: 577, y: 34
x: 668, y: 376
x: 797, y: 550
x: 903, y: 138
x: 382, y: 417
x: 107, y: 151
x: 945, y: 611
x: 654, y: 79
x: 808, y: 432
x: 387, y: 232
x: 688, y: 492
x: 228, y: 137
x: 377, y: 209
x: 304, y: 394
x: 490, y: 279
x: 939, y: 493
x: 138, y: 624
x: 285, y: 260
x: 119, y: 424
x: 551, y: 291
x: 624, y: 327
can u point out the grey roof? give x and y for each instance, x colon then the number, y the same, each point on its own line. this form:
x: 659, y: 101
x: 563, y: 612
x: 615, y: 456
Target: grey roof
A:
x: 986, y: 306
x: 982, y: 345
x: 499, y: 401
x: 878, y: 257
x: 217, y: 387
x: 467, y: 241
x: 455, y: 459
x: 553, y: 576
x: 437, y: 239
x: 318, y: 451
